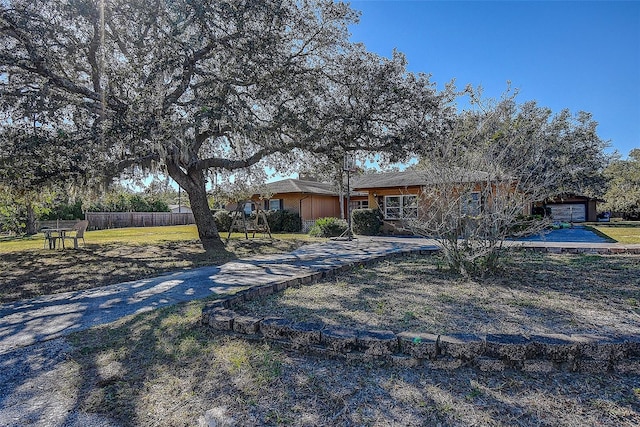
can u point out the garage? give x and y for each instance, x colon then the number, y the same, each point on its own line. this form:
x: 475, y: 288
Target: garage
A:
x: 568, y: 212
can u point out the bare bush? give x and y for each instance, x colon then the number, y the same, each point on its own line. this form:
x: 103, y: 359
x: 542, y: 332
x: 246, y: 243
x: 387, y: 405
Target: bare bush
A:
x: 498, y: 158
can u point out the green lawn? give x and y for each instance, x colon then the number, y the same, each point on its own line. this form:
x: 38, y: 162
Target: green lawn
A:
x: 128, y: 236
x: 119, y: 255
x: 621, y: 234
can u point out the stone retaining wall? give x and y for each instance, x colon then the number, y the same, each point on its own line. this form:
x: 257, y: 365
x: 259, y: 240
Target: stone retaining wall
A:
x: 494, y: 352
x: 610, y: 250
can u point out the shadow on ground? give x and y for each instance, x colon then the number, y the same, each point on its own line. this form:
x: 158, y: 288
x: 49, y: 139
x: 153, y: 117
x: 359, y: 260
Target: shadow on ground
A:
x: 32, y: 273
x: 163, y: 368
x: 534, y: 293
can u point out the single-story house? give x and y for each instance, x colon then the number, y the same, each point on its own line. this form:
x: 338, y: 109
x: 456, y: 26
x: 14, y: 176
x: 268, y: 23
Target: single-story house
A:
x: 397, y: 195
x: 310, y: 199
x: 394, y: 193
x: 401, y: 195
x: 307, y: 197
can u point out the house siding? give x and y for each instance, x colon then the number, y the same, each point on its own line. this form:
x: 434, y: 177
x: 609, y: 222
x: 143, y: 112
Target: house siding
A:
x: 376, y: 201
x: 376, y: 195
x: 377, y: 198
x: 309, y: 206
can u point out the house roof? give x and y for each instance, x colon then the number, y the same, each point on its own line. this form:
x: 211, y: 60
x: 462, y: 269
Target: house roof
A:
x: 407, y: 178
x: 302, y: 186
x: 291, y: 185
x: 183, y: 208
x: 413, y: 177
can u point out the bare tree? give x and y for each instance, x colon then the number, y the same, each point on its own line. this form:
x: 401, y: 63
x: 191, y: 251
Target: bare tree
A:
x: 498, y: 158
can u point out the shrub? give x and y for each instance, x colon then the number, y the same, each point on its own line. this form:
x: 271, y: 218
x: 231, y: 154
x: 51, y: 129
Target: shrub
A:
x: 366, y: 221
x: 284, y: 221
x: 274, y: 218
x: 223, y: 219
x: 328, y: 227
x: 291, y: 222
x: 121, y: 201
x: 63, y: 210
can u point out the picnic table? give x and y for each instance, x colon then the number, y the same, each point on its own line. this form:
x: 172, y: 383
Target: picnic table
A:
x: 52, y: 235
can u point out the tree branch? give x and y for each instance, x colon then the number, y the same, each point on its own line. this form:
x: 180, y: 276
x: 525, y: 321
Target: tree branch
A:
x: 38, y: 65
x: 230, y: 164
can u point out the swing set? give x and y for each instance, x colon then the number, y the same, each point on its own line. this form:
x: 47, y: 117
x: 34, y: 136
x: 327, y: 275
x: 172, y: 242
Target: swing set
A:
x: 246, y: 225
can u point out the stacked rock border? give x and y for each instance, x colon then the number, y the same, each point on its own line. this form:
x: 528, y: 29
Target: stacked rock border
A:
x: 492, y: 352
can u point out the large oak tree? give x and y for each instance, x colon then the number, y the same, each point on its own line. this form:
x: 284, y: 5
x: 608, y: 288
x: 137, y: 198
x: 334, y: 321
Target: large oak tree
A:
x: 185, y: 86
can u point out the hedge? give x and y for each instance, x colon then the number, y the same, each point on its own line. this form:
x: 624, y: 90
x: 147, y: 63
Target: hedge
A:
x: 279, y: 221
x: 284, y: 221
x: 367, y: 222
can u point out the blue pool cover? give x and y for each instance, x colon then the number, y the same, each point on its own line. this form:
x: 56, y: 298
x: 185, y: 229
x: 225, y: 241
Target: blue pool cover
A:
x: 575, y: 234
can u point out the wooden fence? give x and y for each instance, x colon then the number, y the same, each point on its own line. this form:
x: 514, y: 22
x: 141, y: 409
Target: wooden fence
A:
x: 56, y: 223
x: 104, y: 220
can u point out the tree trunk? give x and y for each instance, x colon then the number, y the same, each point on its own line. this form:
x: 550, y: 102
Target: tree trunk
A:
x: 31, y: 219
x: 193, y: 183
x: 207, y: 230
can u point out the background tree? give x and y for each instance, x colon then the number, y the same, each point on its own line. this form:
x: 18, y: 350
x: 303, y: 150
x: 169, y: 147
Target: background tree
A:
x: 623, y: 192
x: 183, y: 87
x: 61, y: 206
x: 500, y: 156
x: 20, y: 209
x: 34, y: 162
x: 34, y: 186
x: 161, y: 191
x: 122, y: 199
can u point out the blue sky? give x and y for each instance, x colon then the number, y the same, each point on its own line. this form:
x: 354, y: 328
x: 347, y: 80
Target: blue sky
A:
x: 580, y: 55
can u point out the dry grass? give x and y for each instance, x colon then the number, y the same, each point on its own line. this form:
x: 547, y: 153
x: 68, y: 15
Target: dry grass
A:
x: 163, y: 368
x: 34, y: 272
x: 534, y: 293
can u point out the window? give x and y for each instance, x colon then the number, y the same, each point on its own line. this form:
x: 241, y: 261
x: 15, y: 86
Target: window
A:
x: 249, y: 207
x: 472, y: 204
x: 392, y: 208
x: 410, y: 206
x: 275, y: 204
x: 400, y: 207
x: 359, y: 204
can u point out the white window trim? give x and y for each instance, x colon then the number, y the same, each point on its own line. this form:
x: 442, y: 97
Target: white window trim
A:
x: 280, y: 203
x: 359, y: 204
x: 402, y: 207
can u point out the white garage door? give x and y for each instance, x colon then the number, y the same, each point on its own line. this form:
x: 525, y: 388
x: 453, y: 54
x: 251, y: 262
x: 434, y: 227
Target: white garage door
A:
x: 568, y: 212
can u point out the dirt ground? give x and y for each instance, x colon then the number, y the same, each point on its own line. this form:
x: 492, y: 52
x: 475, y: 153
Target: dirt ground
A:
x: 533, y: 293
x: 164, y: 368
